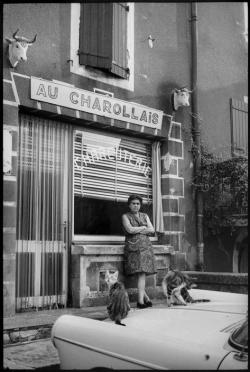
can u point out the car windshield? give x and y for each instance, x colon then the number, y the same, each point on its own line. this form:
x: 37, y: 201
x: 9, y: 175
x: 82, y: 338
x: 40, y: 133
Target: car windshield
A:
x: 239, y: 338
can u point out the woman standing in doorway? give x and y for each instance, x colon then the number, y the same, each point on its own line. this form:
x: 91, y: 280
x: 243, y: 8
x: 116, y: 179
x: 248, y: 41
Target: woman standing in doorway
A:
x: 138, y: 252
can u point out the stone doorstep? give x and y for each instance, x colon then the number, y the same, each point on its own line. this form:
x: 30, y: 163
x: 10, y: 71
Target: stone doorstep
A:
x: 22, y: 334
x: 35, y: 332
x: 11, y: 337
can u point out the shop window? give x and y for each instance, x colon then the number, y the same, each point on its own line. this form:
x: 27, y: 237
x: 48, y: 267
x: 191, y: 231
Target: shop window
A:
x: 107, y: 169
x: 103, y: 37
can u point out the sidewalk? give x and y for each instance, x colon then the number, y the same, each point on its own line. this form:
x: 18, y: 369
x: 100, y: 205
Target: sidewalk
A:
x: 27, y: 343
x: 38, y: 354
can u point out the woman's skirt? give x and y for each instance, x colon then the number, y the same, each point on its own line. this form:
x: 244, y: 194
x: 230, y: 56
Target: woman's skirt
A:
x: 139, y: 255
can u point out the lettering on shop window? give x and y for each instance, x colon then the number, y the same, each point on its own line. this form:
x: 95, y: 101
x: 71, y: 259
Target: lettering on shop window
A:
x: 109, y: 153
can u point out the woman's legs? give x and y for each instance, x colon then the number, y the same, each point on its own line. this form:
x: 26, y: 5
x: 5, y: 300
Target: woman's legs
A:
x: 146, y: 296
x: 141, y: 288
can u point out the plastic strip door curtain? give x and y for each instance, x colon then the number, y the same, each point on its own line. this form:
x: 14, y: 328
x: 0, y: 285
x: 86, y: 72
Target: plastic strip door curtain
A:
x: 41, y: 268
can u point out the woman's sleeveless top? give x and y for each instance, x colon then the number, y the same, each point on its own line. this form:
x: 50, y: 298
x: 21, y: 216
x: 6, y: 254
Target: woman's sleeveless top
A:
x: 135, y: 221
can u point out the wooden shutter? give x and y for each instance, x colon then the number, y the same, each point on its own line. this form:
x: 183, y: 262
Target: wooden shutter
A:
x: 96, y: 35
x: 103, y: 37
x: 114, y: 176
x: 119, y: 62
x: 239, y: 127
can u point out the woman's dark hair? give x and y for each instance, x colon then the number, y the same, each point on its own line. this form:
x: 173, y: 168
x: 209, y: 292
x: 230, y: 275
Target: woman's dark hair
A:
x: 133, y: 197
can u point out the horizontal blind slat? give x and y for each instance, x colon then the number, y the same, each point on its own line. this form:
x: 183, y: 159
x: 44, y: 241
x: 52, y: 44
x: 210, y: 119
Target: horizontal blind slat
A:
x: 115, y: 175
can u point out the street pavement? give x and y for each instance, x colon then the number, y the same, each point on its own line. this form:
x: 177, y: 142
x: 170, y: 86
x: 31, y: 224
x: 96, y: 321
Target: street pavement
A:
x: 31, y: 355
x: 41, y: 353
x: 20, y: 354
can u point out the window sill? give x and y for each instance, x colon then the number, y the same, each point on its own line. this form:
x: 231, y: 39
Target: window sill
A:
x: 102, y: 239
x: 103, y: 250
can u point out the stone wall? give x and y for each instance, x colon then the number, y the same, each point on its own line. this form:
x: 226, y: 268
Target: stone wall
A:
x: 10, y: 149
x: 88, y: 266
x: 225, y: 282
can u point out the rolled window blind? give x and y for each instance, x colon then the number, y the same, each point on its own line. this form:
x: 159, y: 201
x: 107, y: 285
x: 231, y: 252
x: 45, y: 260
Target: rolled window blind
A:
x: 111, y: 168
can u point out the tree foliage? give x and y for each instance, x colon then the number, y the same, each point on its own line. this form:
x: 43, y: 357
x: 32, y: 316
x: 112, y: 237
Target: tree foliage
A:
x: 224, y: 184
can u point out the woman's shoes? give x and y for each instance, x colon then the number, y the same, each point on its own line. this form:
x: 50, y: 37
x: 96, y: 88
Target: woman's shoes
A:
x: 145, y: 305
x: 141, y: 306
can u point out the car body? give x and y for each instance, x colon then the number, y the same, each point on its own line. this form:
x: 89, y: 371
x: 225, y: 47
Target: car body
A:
x: 205, y: 335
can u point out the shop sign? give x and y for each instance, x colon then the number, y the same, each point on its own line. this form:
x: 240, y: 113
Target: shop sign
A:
x: 94, y: 103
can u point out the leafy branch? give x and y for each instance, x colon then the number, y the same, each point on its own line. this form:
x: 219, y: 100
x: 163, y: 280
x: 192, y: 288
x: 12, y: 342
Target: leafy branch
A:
x: 224, y: 184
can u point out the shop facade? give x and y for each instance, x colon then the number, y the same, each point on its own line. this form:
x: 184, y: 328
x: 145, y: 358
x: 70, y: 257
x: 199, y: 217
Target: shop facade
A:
x: 82, y: 132
x: 75, y: 172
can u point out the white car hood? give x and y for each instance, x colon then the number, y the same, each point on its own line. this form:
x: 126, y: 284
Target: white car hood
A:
x: 197, y: 322
x: 181, y: 337
x: 186, y: 324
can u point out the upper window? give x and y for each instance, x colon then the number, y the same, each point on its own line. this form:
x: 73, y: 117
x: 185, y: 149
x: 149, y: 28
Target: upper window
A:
x: 102, y: 42
x: 103, y: 37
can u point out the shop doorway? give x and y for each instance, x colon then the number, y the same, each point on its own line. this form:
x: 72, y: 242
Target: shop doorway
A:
x: 42, y: 214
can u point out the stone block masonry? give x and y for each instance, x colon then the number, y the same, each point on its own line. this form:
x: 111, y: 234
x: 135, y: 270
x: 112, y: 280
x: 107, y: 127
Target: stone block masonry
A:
x: 10, y: 128
x: 224, y: 282
x: 172, y: 187
x: 89, y: 264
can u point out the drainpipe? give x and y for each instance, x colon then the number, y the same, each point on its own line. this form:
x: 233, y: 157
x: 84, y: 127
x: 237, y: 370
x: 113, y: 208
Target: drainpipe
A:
x: 196, y: 137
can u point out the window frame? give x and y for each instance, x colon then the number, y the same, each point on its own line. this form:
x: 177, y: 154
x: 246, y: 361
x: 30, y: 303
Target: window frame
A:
x: 99, y: 238
x: 93, y: 73
x: 103, y: 37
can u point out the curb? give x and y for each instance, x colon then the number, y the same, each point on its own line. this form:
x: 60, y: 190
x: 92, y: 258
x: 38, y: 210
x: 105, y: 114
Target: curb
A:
x: 20, y: 335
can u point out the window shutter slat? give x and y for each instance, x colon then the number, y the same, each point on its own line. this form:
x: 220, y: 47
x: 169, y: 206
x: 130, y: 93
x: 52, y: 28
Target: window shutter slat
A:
x: 239, y: 127
x: 114, y: 178
x: 95, y: 44
x: 119, y: 62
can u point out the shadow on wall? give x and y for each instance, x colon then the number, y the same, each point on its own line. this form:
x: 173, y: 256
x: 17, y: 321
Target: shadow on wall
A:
x: 164, y: 96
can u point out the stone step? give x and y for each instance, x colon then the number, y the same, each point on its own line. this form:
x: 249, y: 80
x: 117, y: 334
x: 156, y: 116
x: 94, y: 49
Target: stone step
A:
x: 26, y: 334
x: 34, y: 326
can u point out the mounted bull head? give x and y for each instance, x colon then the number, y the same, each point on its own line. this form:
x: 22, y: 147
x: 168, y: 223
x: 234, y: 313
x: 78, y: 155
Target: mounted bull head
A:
x: 180, y: 97
x: 18, y: 48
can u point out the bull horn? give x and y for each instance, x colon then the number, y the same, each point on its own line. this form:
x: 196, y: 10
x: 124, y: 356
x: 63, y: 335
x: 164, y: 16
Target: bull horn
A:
x: 186, y: 90
x: 32, y: 41
x: 14, y: 35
